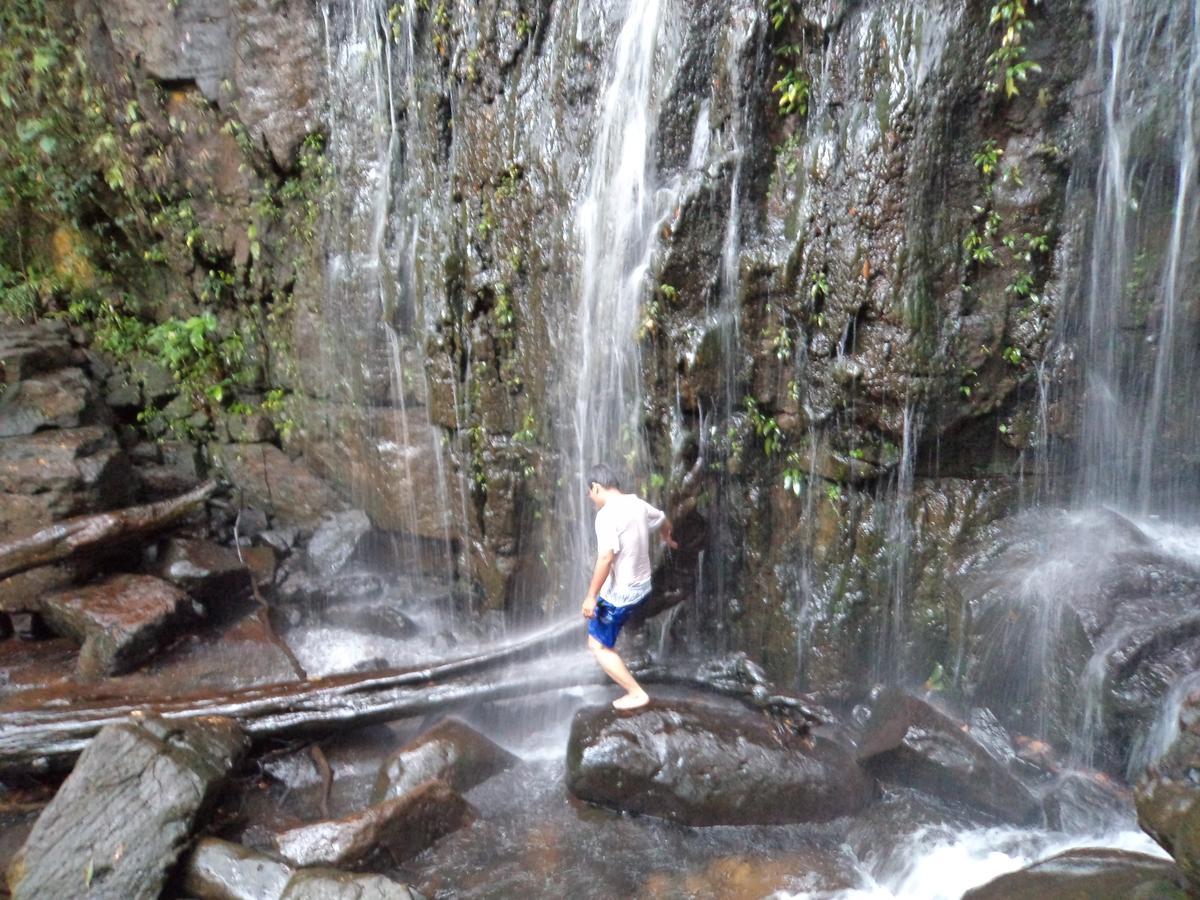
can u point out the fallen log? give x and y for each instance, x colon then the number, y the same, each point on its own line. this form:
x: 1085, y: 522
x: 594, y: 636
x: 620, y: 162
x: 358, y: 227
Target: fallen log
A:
x: 85, y: 535
x: 45, y: 735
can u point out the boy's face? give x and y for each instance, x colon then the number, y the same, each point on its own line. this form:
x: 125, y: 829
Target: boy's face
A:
x: 594, y: 495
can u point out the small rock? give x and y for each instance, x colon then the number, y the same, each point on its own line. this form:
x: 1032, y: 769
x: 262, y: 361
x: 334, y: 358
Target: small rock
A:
x: 330, y: 884
x: 117, y: 824
x: 213, y: 574
x: 402, y: 826
x: 120, y: 621
x: 336, y: 539
x: 450, y: 751
x: 219, y: 870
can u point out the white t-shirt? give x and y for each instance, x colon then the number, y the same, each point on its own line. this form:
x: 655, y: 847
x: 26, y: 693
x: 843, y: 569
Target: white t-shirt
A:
x: 623, y: 525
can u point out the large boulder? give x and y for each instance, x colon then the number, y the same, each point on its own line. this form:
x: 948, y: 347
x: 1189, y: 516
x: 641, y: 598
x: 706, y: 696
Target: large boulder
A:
x: 1089, y: 873
x: 117, y: 824
x: 702, y: 766
x: 28, y: 350
x: 120, y: 621
x: 908, y: 742
x: 451, y: 752
x: 401, y: 827
x: 69, y: 471
x: 336, y: 540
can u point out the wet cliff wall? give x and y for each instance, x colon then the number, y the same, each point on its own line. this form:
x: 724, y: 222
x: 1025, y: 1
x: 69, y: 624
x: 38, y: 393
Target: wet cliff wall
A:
x: 353, y: 229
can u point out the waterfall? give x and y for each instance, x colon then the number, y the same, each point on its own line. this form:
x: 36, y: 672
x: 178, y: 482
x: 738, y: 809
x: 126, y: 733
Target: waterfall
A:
x: 376, y: 311
x: 616, y: 221
x: 1139, y: 323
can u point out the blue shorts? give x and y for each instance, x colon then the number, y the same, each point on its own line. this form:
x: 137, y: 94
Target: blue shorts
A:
x: 606, y: 624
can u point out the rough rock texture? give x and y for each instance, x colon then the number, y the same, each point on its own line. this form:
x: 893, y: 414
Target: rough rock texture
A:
x: 120, y: 621
x: 219, y: 870
x: 212, y: 574
x: 1168, y: 796
x: 1088, y: 874
x: 907, y: 741
x: 330, y: 884
x: 451, y: 752
x: 335, y: 541
x: 400, y: 827
x: 274, y: 482
x: 118, y: 822
x: 699, y: 766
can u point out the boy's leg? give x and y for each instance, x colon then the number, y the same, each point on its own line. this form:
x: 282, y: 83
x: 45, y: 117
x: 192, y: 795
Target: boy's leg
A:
x: 615, y: 668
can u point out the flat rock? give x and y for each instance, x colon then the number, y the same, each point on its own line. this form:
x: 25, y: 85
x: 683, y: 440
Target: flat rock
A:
x: 219, y: 870
x: 117, y: 824
x: 908, y: 742
x: 271, y: 480
x: 62, y: 399
x: 401, y: 827
x: 1089, y: 873
x: 120, y: 621
x: 215, y: 575
x: 451, y: 751
x: 330, y: 884
x: 702, y: 766
x: 79, y: 470
x: 28, y: 350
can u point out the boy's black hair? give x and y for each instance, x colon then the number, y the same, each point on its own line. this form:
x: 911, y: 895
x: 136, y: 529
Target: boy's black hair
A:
x: 604, y: 476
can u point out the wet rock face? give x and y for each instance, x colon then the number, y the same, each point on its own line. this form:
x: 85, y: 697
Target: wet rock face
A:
x: 285, y: 488
x: 120, y: 819
x: 451, y: 752
x: 1168, y: 795
x: 907, y: 741
x: 219, y: 870
x: 400, y: 828
x: 120, y: 621
x: 335, y: 541
x: 330, y: 884
x: 1094, y: 873
x: 699, y: 766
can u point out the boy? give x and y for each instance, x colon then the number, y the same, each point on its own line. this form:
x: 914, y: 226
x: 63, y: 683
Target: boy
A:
x: 621, y: 578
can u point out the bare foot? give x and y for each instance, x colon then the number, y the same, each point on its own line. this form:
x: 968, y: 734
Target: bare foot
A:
x: 632, y: 701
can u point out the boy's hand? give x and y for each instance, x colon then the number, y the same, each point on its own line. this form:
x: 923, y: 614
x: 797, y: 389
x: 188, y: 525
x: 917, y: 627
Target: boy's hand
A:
x: 589, y: 607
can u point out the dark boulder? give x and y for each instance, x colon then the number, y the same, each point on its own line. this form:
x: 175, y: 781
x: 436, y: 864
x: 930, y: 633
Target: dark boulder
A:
x: 28, y: 350
x: 272, y: 481
x: 907, y: 741
x: 69, y: 471
x: 1089, y: 873
x: 702, y: 766
x: 1087, y: 802
x: 451, y: 752
x: 120, y: 621
x: 214, y: 575
x: 401, y: 827
x: 117, y: 824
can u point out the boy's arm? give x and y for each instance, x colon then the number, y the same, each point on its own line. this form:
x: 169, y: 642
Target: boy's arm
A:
x: 604, y: 561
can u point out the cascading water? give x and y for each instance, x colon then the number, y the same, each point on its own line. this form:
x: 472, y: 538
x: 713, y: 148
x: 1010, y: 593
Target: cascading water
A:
x: 616, y: 221
x: 1138, y: 329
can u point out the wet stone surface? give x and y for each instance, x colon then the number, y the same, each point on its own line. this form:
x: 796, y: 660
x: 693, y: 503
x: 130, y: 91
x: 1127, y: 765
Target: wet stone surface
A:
x: 451, y: 751
x: 1088, y: 874
x: 701, y: 766
x: 118, y: 822
x: 908, y: 742
x: 120, y: 621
